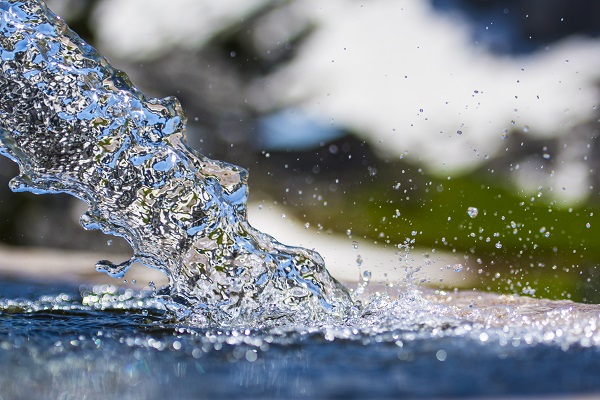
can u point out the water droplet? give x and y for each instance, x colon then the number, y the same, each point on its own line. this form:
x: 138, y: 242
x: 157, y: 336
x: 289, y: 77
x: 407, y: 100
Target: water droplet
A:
x: 472, y: 211
x: 459, y: 132
x: 441, y: 355
x: 587, y: 225
x: 251, y: 355
x: 457, y: 267
x: 498, y: 245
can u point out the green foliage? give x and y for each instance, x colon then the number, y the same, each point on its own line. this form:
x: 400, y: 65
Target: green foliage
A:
x: 517, y: 242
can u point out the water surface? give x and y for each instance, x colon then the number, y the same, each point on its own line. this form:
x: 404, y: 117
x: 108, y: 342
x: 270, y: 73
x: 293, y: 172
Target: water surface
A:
x: 105, y: 342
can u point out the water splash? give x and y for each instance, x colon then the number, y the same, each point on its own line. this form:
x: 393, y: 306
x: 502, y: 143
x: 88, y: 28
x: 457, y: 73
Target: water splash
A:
x: 76, y: 125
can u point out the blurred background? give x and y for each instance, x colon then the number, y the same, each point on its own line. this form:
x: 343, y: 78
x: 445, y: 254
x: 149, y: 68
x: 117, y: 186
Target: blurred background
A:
x: 451, y: 142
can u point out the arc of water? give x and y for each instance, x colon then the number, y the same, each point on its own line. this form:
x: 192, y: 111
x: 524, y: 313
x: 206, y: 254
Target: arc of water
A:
x: 76, y: 125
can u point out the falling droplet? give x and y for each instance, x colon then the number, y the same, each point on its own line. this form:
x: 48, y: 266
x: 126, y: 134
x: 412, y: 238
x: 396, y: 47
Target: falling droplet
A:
x: 472, y: 211
x: 367, y: 276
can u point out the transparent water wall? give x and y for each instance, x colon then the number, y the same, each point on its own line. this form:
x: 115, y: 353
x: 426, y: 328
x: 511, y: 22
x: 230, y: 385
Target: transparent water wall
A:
x: 75, y: 125
x: 243, y: 315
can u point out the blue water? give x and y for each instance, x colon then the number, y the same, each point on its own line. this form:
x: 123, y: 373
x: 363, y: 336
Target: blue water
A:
x: 65, y: 349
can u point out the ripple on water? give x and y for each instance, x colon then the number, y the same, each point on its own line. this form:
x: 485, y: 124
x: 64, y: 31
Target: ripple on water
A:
x: 417, y: 343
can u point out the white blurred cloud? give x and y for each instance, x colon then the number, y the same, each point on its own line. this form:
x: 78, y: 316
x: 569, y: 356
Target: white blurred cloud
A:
x: 409, y: 79
x: 146, y: 29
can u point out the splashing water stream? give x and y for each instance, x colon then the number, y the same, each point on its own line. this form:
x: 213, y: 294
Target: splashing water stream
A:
x: 76, y: 125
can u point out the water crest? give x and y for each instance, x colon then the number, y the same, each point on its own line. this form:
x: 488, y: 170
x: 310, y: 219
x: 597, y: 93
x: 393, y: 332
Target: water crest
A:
x: 76, y: 125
